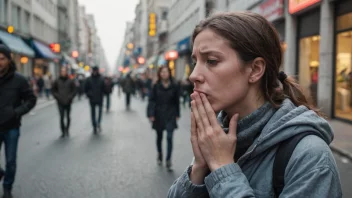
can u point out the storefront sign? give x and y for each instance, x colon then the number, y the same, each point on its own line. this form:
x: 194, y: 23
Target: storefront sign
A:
x: 270, y: 9
x: 298, y: 5
x: 171, y: 55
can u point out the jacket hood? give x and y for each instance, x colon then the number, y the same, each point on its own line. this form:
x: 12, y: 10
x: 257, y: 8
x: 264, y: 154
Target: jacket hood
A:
x: 288, y: 121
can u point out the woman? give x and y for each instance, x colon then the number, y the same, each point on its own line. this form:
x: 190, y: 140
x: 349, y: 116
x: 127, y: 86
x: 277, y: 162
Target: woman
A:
x: 237, y: 58
x: 164, y: 111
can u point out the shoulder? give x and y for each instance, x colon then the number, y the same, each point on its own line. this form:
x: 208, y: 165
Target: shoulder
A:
x: 312, y: 153
x: 17, y: 77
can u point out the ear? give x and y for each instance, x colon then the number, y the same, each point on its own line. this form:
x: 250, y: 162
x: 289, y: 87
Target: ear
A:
x: 258, y: 66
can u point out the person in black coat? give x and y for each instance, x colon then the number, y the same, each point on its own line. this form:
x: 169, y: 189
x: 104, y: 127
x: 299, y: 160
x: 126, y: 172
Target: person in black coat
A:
x: 64, y: 90
x: 109, y: 87
x: 95, y: 90
x: 164, y: 111
x: 16, y: 99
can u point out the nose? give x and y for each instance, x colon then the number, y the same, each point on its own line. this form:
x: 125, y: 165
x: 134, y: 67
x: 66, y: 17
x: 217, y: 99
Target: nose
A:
x: 196, y: 76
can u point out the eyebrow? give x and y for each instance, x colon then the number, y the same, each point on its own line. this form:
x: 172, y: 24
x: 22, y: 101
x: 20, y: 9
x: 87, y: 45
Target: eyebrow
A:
x: 208, y: 51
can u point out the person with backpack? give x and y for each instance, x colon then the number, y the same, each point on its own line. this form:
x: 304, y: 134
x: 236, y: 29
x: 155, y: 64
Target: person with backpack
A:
x: 254, y: 133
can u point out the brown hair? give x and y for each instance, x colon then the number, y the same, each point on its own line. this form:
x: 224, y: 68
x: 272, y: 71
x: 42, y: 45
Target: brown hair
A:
x: 161, y: 69
x: 252, y: 36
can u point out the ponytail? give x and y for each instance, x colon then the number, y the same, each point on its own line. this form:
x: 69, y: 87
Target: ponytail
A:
x: 296, y: 93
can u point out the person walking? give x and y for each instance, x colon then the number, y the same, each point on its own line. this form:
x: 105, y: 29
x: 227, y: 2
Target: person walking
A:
x: 164, y: 111
x: 254, y: 133
x: 47, y: 85
x: 129, y: 88
x: 16, y: 99
x: 64, y: 90
x: 94, y: 89
x: 109, y: 86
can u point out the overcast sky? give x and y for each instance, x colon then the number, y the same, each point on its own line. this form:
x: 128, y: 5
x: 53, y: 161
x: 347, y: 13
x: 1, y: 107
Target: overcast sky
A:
x: 110, y: 18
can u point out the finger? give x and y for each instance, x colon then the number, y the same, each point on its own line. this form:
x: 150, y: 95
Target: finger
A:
x: 199, y: 122
x: 209, y: 111
x: 193, y: 125
x: 201, y: 110
x: 233, y: 125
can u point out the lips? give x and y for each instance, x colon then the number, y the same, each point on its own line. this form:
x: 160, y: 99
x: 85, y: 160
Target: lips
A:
x: 198, y: 91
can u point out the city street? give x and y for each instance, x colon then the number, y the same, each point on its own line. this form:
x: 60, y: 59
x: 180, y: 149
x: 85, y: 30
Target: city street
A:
x: 120, y: 162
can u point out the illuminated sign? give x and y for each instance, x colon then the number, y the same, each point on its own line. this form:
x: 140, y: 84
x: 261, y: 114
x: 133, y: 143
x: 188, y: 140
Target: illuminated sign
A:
x: 10, y: 29
x: 55, y: 47
x: 141, y: 60
x: 152, y: 24
x: 171, y: 55
x: 75, y: 54
x: 298, y: 5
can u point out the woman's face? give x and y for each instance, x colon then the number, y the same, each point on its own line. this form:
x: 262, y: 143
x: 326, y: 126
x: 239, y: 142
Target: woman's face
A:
x: 164, y: 74
x: 219, y: 73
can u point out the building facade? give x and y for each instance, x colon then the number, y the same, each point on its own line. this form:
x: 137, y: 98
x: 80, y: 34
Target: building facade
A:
x: 33, y: 26
x: 316, y: 38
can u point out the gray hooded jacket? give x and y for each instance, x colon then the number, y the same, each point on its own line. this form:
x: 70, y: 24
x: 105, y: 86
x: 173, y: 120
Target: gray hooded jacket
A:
x: 311, y: 171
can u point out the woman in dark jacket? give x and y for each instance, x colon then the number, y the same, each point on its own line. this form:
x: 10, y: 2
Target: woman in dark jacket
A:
x: 164, y: 111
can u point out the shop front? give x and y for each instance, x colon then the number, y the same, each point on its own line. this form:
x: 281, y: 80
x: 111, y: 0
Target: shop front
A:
x: 343, y: 60
x: 184, y: 61
x: 308, y: 33
x: 45, y: 62
x: 22, y: 54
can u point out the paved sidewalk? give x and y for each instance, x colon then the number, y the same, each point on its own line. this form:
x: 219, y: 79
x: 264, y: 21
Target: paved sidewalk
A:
x: 342, y: 143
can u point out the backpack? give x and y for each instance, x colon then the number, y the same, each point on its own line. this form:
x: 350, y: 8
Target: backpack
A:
x: 283, y: 155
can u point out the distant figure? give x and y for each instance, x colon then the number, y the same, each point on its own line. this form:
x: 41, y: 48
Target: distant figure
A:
x: 16, y: 99
x: 129, y: 88
x: 64, y: 90
x: 109, y: 86
x: 94, y: 88
x: 40, y: 84
x: 48, y: 85
x: 164, y: 111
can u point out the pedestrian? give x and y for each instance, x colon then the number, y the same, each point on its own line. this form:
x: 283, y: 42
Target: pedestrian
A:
x: 268, y: 139
x: 94, y: 88
x: 164, y: 111
x: 129, y: 88
x: 16, y: 99
x: 109, y: 86
x: 47, y: 85
x: 40, y: 84
x: 64, y: 91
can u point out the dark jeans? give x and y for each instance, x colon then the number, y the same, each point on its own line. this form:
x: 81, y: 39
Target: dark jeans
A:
x: 128, y: 99
x: 107, y: 102
x: 93, y: 108
x: 10, y: 139
x: 159, y: 140
x: 65, y: 111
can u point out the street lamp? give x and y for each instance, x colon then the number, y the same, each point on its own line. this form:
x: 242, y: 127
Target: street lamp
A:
x: 10, y: 29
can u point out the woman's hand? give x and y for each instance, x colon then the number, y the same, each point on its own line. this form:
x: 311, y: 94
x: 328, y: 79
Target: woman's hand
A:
x: 200, y: 168
x: 217, y: 147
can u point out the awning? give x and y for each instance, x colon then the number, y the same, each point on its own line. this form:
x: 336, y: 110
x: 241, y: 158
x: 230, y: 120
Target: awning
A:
x: 16, y: 44
x: 43, y: 51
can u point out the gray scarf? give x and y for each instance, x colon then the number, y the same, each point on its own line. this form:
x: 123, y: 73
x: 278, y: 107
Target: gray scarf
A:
x: 249, y: 127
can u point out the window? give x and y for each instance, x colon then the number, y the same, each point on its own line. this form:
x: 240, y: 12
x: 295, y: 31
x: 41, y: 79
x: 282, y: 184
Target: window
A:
x: 14, y: 19
x: 27, y: 18
x: 309, y: 65
x: 343, y: 89
x: 164, y: 15
x: 19, y: 17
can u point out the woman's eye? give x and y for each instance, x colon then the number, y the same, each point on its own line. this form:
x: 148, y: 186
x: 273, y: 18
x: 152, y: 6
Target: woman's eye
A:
x: 194, y: 63
x: 212, y: 62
